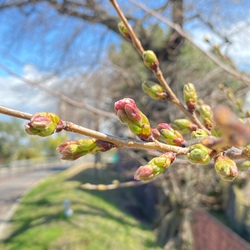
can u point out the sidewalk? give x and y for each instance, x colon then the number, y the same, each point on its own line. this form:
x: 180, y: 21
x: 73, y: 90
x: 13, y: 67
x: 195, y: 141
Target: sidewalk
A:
x: 12, y: 189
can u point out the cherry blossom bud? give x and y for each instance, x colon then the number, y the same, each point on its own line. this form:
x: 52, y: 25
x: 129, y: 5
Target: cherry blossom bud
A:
x: 123, y: 30
x: 206, y: 115
x: 184, y: 126
x: 137, y: 122
x: 190, y: 96
x: 154, y: 90
x: 155, y: 167
x: 72, y: 150
x: 199, y: 154
x: 226, y: 168
x: 199, y: 133
x: 166, y: 134
x: 246, y: 151
x: 150, y: 60
x: 43, y: 124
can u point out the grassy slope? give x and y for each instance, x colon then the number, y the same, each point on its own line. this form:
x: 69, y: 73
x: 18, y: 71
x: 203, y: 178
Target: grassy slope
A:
x: 39, y: 222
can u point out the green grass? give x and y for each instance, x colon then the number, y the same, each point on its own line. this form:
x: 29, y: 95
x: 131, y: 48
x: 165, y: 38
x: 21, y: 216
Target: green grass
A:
x: 97, y: 223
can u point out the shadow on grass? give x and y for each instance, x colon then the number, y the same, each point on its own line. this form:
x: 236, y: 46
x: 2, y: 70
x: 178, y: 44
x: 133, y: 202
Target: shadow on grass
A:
x: 138, y: 201
x: 116, y: 197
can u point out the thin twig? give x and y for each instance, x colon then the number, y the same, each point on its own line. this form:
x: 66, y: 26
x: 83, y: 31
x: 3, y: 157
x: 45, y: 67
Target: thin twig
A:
x: 70, y: 126
x: 59, y: 95
x: 234, y: 72
x: 158, y: 73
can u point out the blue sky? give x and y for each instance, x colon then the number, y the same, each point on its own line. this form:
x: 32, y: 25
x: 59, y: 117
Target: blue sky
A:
x: 20, y: 47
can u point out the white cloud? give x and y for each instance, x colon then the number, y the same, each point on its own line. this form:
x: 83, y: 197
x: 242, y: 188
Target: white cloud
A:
x: 16, y: 94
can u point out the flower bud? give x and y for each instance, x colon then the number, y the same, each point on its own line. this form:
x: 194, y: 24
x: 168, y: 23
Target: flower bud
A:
x: 246, y: 151
x: 199, y: 154
x: 137, y: 122
x: 154, y: 90
x: 123, y: 30
x: 206, y: 115
x: 190, y: 96
x: 43, y: 124
x: 150, y: 59
x: 199, y: 133
x: 166, y: 134
x: 184, y: 126
x: 155, y: 167
x: 72, y: 150
x: 226, y: 168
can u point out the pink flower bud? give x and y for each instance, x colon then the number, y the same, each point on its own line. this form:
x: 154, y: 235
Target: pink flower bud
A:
x: 43, y: 124
x: 137, y: 122
x: 72, y: 150
x: 155, y: 167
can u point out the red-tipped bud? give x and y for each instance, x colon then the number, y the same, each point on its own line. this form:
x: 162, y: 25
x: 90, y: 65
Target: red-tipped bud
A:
x: 184, y: 126
x: 190, y: 96
x: 166, y: 134
x: 199, y: 154
x: 226, y: 168
x: 150, y: 60
x: 155, y: 167
x: 123, y: 30
x: 154, y: 90
x: 206, y: 115
x: 72, y: 150
x: 43, y: 124
x: 137, y: 122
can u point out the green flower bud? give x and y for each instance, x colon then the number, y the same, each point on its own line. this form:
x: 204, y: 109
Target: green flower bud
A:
x: 190, y: 96
x: 72, y: 150
x: 166, y: 134
x: 150, y: 60
x: 246, y: 151
x: 155, y: 167
x: 43, y: 124
x: 206, y: 115
x: 199, y: 133
x: 199, y: 154
x: 154, y: 90
x: 184, y: 126
x: 137, y: 122
x: 123, y: 30
x: 226, y: 168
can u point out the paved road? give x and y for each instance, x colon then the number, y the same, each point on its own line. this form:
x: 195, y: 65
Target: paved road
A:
x: 13, y: 187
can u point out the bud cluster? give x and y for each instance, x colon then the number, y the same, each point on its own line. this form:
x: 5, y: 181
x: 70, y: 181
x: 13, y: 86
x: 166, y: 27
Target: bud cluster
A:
x: 155, y: 167
x: 72, y: 150
x: 137, y: 122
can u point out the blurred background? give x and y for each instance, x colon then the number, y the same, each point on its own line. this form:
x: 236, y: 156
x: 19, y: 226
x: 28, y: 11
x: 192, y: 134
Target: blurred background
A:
x: 67, y: 57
